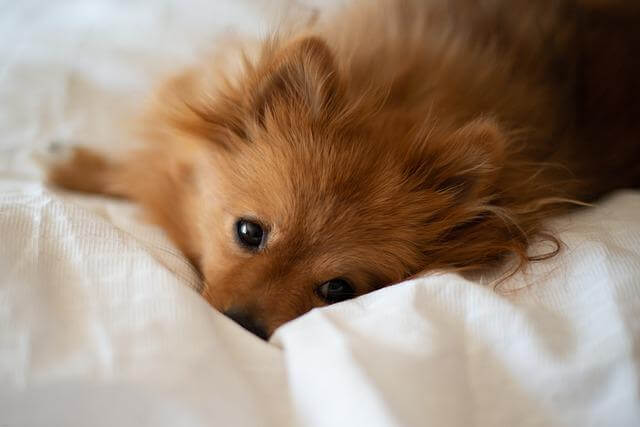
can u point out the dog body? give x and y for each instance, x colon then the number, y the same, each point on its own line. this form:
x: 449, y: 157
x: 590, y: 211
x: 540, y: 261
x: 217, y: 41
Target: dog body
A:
x: 393, y: 138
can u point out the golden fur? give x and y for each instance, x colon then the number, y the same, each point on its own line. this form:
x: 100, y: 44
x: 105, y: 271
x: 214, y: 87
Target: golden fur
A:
x: 394, y: 138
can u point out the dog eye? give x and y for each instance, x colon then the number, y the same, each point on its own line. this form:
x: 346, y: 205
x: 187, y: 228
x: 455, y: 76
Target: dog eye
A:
x: 250, y: 234
x: 335, y: 290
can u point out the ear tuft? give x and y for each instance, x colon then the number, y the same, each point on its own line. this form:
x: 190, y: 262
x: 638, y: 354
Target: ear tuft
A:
x: 470, y: 159
x: 303, y: 75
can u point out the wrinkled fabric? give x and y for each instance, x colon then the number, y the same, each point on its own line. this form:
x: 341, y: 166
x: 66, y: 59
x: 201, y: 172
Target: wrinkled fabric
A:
x: 100, y: 324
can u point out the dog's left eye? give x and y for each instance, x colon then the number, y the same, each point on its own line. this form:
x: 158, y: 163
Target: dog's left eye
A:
x: 335, y: 290
x: 250, y: 234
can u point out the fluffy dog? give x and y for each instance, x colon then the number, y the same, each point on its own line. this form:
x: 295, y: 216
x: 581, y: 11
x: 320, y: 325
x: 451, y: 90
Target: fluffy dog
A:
x: 393, y: 138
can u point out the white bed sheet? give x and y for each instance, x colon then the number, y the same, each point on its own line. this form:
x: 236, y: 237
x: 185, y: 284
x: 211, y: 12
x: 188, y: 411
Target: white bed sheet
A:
x: 99, y: 325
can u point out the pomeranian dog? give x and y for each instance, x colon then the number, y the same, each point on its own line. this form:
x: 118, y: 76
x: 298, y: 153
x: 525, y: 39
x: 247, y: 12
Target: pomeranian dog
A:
x: 390, y: 139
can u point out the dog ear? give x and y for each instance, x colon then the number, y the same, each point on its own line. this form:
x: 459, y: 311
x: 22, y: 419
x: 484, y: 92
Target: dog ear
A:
x: 465, y: 162
x: 303, y: 77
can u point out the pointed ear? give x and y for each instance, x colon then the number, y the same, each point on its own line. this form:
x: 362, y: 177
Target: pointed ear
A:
x: 469, y: 160
x: 303, y: 76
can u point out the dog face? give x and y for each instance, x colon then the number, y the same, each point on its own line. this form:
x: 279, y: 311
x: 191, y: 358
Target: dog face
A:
x: 305, y: 197
x: 303, y: 221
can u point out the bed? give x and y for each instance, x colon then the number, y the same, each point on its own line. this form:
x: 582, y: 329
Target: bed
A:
x: 100, y: 325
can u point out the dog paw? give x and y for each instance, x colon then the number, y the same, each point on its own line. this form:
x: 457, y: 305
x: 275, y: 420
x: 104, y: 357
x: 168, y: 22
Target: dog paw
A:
x: 78, y: 168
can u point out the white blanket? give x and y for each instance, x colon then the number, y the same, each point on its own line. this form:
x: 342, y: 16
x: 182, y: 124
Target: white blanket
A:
x: 99, y: 325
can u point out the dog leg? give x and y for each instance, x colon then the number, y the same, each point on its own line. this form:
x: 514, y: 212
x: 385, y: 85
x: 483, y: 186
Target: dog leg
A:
x: 85, y: 170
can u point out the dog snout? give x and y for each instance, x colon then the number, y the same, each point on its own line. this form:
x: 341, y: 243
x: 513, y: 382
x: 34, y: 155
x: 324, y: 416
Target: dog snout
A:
x: 247, y: 321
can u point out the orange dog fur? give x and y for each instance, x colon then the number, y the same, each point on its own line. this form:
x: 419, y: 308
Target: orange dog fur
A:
x: 394, y: 138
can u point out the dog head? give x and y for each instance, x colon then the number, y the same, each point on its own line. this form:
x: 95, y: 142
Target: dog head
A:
x: 309, y: 193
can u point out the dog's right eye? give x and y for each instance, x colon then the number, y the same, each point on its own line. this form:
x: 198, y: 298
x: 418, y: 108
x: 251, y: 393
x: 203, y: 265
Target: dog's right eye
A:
x: 250, y: 234
x: 335, y: 290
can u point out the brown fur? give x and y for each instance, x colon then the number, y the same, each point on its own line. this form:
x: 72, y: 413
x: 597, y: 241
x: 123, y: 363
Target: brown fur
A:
x: 392, y: 139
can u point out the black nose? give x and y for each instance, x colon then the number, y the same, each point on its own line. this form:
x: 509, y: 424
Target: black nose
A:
x: 245, y: 320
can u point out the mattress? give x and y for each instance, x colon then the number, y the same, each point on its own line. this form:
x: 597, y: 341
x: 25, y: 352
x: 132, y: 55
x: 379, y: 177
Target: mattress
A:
x: 100, y: 325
